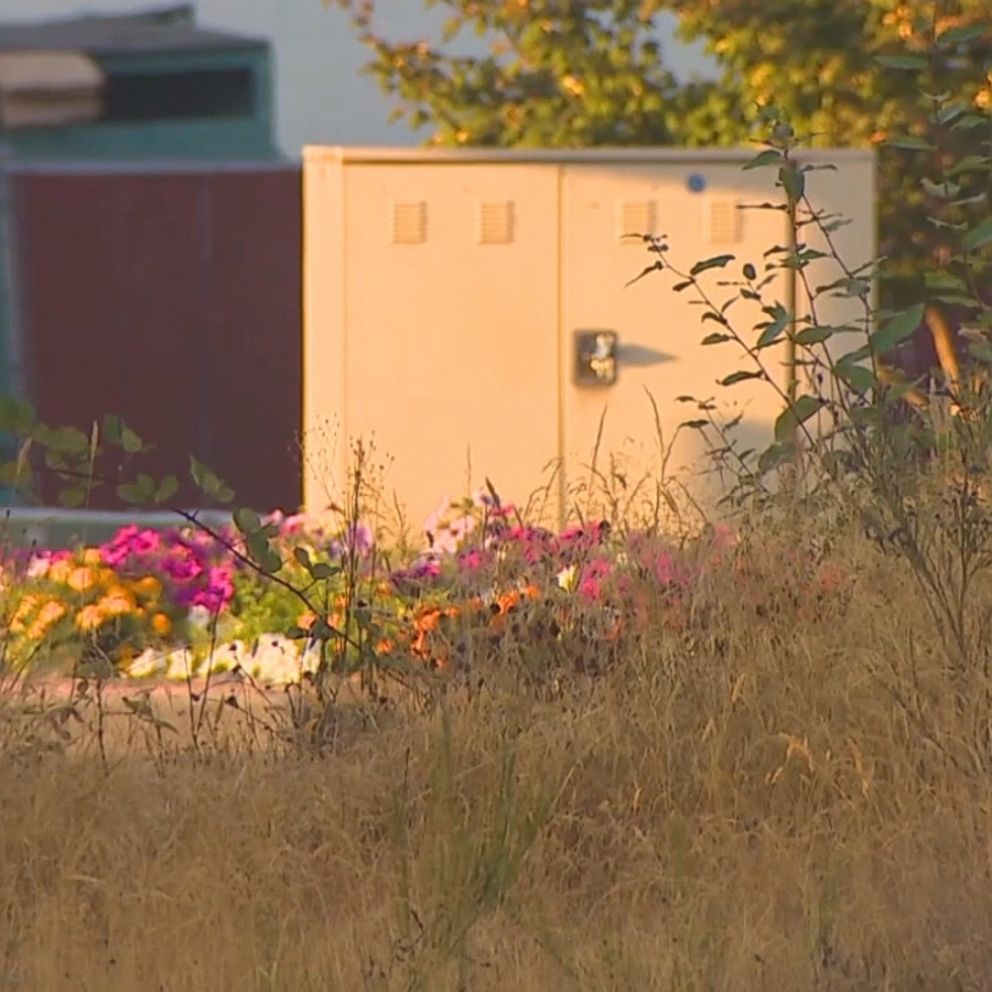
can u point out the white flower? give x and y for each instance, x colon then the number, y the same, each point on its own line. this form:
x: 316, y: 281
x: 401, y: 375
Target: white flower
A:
x: 147, y: 664
x: 38, y: 567
x: 568, y: 578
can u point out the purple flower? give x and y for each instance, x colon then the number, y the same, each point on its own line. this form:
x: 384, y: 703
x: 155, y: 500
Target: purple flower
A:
x: 357, y: 539
x: 424, y: 569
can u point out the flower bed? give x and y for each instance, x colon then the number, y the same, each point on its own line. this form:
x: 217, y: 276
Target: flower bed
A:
x: 184, y: 603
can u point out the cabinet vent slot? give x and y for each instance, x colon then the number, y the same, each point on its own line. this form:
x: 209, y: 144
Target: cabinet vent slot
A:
x: 496, y: 223
x: 724, y: 222
x: 409, y: 223
x: 636, y: 218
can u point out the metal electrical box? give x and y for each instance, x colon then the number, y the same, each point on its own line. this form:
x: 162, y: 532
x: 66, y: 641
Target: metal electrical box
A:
x: 473, y: 311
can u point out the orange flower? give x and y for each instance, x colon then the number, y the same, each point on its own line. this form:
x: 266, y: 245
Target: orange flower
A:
x: 81, y: 578
x: 49, y: 614
x: 161, y: 624
x: 25, y: 607
x: 60, y: 571
x: 90, y: 617
x: 92, y: 556
x: 117, y: 601
x: 306, y: 620
x: 148, y: 587
x: 384, y: 646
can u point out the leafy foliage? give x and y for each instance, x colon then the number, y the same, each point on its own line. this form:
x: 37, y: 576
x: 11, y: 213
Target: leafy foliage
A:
x: 862, y: 73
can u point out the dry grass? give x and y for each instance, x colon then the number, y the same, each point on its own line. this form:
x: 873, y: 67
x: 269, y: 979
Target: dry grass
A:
x: 791, y: 797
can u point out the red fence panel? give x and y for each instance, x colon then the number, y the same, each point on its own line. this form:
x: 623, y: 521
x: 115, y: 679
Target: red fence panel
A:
x: 171, y: 297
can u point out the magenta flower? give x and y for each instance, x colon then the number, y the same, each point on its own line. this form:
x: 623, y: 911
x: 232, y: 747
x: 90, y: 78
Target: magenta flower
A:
x: 591, y: 580
x: 472, y: 561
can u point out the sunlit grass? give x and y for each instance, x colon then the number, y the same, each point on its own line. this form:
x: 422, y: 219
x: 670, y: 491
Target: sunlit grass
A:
x: 779, y: 795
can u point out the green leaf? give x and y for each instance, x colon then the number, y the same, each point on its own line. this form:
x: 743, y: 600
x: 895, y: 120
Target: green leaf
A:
x: 716, y: 338
x: 137, y: 493
x: 247, y: 521
x: 793, y: 182
x: 967, y: 121
x: 740, y: 376
x: 197, y: 471
x: 774, y: 330
x: 769, y: 156
x: 814, y: 335
x: 717, y: 262
x: 130, y: 441
x: 773, y: 456
x: 209, y: 483
x: 167, y: 488
x: 940, y: 191
x: 804, y: 407
x: 981, y: 350
x: 12, y: 471
x: 859, y: 378
x: 73, y: 497
x: 261, y: 553
x: 323, y: 571
x: 64, y: 440
x: 979, y: 236
x: 910, y: 142
x: 961, y: 34
x: 16, y: 415
x: 303, y: 557
x: 750, y: 272
x: 970, y: 163
x: 900, y: 328
x: 901, y: 61
x: 112, y: 427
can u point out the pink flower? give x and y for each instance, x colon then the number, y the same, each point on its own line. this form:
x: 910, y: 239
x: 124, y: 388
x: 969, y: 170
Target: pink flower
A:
x: 591, y: 581
x: 472, y: 560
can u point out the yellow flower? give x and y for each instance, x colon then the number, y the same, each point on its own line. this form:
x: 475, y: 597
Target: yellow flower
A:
x: 573, y: 85
x: 92, y: 556
x: 49, y: 614
x: 106, y: 577
x: 81, y: 579
x: 59, y: 572
x: 25, y: 608
x: 90, y: 617
x: 161, y: 624
x: 148, y: 588
x: 117, y: 601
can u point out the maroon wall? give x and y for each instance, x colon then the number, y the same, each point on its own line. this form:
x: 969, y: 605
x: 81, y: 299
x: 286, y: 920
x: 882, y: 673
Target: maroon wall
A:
x: 173, y: 299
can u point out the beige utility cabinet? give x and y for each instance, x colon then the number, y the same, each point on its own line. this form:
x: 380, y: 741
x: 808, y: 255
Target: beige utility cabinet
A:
x: 455, y: 302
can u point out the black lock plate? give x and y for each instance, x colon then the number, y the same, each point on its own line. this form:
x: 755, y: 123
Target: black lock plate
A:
x: 596, y: 358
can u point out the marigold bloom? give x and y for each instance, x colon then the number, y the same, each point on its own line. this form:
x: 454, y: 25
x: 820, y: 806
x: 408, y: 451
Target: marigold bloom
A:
x: 90, y: 617
x: 92, y: 556
x: 161, y: 624
x: 116, y: 602
x: 81, y: 578
x: 148, y: 587
x: 60, y: 570
x: 49, y: 614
